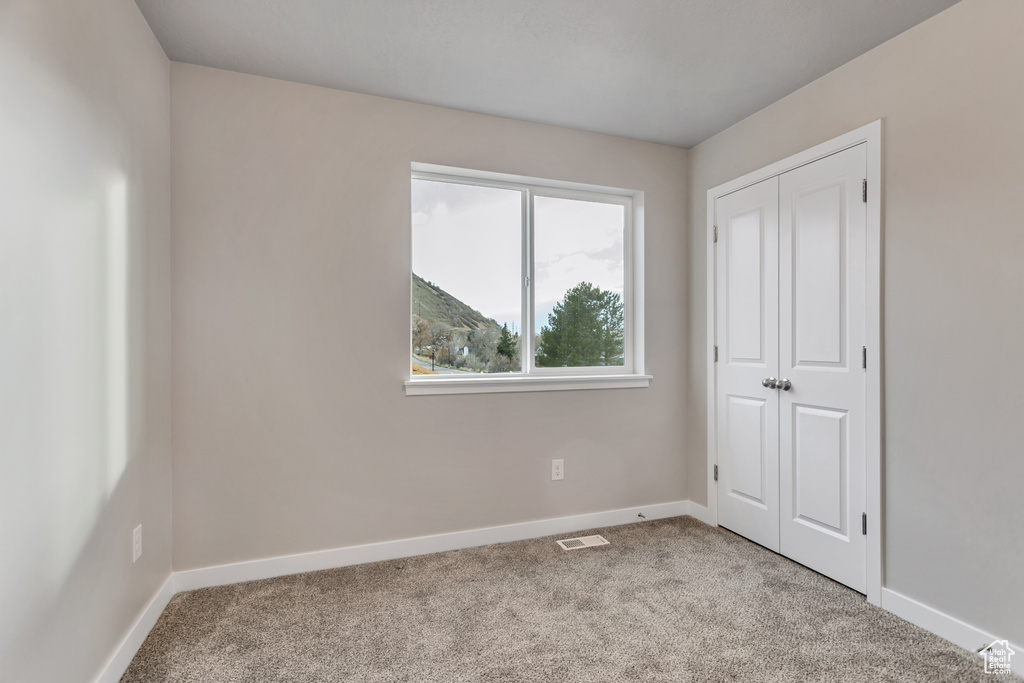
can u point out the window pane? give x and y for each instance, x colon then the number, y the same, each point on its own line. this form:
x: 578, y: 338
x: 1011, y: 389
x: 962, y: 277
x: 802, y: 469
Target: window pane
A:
x: 467, y: 269
x: 579, y: 275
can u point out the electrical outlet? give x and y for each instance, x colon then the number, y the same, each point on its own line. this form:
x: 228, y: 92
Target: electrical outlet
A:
x: 557, y: 470
x: 136, y: 544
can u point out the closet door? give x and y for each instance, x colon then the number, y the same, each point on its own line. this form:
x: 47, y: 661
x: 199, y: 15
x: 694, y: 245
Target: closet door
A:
x: 822, y: 233
x: 747, y: 299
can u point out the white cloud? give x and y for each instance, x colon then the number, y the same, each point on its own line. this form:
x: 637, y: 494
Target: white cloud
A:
x: 467, y: 240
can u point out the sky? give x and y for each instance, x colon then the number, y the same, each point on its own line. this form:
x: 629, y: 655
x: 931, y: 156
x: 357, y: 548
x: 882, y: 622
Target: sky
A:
x: 467, y: 241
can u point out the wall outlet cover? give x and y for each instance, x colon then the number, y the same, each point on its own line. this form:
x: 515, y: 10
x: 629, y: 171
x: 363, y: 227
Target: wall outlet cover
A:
x: 557, y: 470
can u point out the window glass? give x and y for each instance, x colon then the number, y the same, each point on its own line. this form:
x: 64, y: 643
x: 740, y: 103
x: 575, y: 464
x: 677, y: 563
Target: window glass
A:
x: 467, y: 275
x: 579, y: 276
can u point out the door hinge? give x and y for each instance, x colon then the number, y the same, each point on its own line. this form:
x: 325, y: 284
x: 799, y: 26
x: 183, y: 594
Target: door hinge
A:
x: 716, y: 472
x: 716, y: 233
x: 864, y: 523
x: 864, y: 190
x: 716, y: 354
x: 864, y: 357
x: 527, y: 281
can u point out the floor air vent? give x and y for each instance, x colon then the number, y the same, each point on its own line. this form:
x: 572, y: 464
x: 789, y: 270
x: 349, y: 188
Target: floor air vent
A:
x: 582, y: 542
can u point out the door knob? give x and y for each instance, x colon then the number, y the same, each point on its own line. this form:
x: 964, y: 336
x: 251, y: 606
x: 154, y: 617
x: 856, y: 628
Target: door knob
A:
x: 785, y: 384
x: 771, y: 383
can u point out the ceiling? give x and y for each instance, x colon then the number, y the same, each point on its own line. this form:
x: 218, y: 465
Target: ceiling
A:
x: 668, y: 71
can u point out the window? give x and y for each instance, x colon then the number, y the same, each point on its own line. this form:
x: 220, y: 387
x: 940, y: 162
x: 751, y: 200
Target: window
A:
x: 520, y: 284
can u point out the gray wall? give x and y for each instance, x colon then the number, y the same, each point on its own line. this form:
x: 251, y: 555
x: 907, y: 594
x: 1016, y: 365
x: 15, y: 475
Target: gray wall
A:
x: 84, y: 338
x: 291, y: 256
x: 950, y: 92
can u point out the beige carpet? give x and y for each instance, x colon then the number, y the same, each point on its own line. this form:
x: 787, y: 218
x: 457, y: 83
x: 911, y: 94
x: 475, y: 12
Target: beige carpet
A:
x: 670, y: 600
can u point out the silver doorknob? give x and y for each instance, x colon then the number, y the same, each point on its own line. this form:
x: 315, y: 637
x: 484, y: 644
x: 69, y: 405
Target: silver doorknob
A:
x: 771, y: 383
x: 785, y: 384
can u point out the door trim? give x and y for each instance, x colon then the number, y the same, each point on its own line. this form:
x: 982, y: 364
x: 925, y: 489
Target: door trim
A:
x: 871, y: 135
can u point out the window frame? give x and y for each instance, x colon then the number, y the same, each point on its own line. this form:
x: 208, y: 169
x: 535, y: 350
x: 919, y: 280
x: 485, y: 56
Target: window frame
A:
x: 627, y: 269
x: 530, y: 377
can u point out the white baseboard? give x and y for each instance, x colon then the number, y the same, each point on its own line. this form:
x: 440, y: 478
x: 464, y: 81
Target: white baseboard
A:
x: 941, y: 624
x: 390, y: 550
x: 132, y: 640
x: 701, y: 512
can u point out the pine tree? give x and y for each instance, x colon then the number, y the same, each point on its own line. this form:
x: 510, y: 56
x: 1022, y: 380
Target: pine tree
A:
x: 584, y: 329
x: 506, y: 345
x: 612, y: 329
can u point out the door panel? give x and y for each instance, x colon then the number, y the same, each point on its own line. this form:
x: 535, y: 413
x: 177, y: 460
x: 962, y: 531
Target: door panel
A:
x: 747, y: 419
x: 818, y: 296
x: 747, y: 332
x: 822, y: 232
x: 745, y: 278
x: 819, y: 464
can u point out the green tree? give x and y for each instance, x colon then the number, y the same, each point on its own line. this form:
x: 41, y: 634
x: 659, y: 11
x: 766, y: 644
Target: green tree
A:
x: 612, y: 329
x: 506, y: 344
x: 584, y: 329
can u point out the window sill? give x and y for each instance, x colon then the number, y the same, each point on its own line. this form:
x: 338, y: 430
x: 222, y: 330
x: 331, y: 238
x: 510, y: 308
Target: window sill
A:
x: 509, y: 383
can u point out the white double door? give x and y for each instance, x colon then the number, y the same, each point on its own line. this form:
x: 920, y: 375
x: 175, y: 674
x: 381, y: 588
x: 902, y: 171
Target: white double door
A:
x: 790, y: 306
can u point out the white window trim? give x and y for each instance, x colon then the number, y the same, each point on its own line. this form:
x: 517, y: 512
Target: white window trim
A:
x: 630, y: 375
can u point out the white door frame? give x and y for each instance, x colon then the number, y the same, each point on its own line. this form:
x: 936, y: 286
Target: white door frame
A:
x: 871, y: 134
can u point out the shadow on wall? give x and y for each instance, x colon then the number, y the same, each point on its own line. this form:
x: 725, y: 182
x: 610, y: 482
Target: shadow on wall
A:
x: 72, y: 386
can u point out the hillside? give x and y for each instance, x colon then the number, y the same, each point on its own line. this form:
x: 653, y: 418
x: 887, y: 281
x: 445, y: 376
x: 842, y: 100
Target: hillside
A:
x: 433, y: 304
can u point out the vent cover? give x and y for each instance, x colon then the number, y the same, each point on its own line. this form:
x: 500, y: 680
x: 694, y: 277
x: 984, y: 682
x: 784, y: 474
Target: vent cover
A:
x: 582, y: 542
